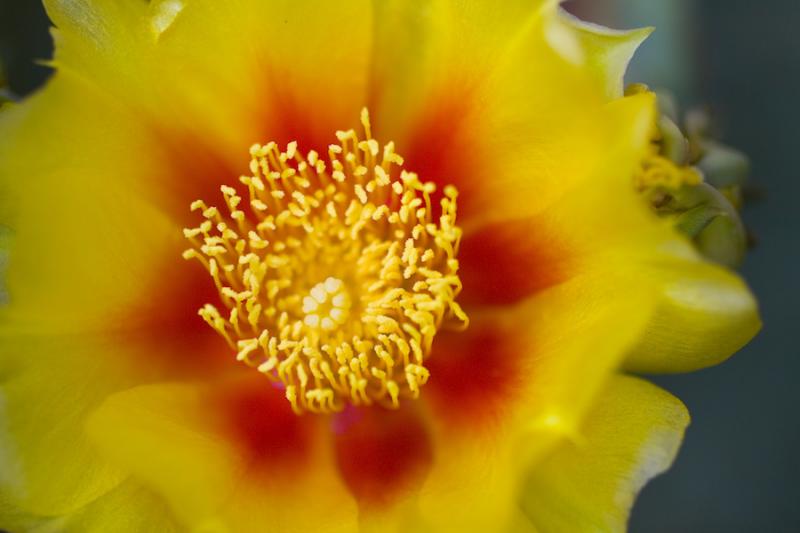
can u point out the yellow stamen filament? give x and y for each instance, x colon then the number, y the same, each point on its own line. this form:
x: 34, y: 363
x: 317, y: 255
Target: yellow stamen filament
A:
x: 334, y: 274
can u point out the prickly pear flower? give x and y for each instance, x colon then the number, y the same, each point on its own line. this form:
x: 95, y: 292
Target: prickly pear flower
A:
x: 340, y: 266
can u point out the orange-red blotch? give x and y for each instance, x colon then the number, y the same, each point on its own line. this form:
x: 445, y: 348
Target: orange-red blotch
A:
x: 444, y: 147
x: 269, y: 435
x: 381, y: 453
x: 476, y: 376
x: 286, y: 118
x: 505, y: 262
x: 195, y: 169
x: 176, y: 342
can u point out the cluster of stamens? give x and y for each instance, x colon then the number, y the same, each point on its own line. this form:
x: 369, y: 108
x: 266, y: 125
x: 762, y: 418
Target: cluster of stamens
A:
x: 335, y: 275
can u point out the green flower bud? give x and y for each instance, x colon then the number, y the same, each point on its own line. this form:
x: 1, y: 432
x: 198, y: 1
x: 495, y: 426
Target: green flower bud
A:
x: 697, y: 182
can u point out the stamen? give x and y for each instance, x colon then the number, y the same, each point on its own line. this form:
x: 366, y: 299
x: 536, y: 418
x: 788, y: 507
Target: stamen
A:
x: 334, y: 274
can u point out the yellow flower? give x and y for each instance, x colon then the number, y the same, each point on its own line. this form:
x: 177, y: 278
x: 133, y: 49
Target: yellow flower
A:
x: 421, y: 328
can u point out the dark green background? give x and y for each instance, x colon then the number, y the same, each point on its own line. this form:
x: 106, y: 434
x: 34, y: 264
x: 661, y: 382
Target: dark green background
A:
x: 739, y: 468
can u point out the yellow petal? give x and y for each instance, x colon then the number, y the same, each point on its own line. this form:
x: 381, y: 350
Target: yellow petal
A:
x: 277, y: 70
x: 14, y: 519
x: 84, y: 238
x: 172, y: 438
x: 632, y: 434
x: 490, y: 125
x: 578, y: 334
x: 458, y: 470
x: 704, y: 315
x: 540, y: 363
x: 518, y: 381
x: 423, y: 46
x: 48, y: 387
x: 583, y: 223
x: 604, y: 51
x: 479, y: 472
x: 129, y: 508
x: 521, y: 523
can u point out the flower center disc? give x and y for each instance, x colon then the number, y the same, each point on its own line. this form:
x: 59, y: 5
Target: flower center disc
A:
x: 334, y: 275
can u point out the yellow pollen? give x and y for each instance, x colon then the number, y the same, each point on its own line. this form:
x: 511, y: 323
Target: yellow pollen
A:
x: 658, y: 171
x: 335, y: 274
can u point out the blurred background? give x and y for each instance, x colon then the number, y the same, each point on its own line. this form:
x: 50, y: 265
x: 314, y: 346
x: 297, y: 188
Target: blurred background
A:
x: 739, y: 470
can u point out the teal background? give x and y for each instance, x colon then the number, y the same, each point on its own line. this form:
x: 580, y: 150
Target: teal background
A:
x: 738, y: 471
